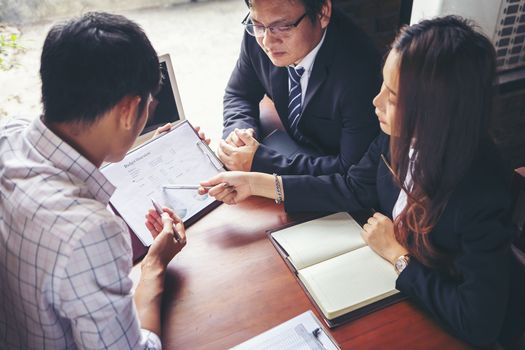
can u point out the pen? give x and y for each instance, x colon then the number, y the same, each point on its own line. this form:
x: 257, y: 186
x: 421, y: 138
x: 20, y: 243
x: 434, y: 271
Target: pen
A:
x: 184, y: 187
x: 316, y: 333
x: 159, y: 211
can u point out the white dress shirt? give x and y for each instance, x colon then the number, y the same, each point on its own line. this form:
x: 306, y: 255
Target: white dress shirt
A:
x: 401, y: 201
x: 307, y: 63
x: 64, y: 258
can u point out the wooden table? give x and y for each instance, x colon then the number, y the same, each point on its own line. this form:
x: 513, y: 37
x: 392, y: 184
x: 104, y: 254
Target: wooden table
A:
x: 230, y: 284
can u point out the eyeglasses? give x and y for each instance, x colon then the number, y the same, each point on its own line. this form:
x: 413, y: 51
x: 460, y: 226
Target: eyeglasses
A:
x: 281, y: 30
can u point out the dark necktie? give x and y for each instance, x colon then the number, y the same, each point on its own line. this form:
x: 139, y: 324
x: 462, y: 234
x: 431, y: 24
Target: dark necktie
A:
x: 294, y: 100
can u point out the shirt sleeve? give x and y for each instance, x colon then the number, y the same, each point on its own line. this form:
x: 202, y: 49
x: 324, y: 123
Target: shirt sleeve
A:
x: 95, y: 294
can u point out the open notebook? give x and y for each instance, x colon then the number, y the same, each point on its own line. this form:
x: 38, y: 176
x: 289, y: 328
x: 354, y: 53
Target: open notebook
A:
x: 342, y: 275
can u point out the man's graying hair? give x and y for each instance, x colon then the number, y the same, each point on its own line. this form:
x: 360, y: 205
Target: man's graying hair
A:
x: 312, y: 7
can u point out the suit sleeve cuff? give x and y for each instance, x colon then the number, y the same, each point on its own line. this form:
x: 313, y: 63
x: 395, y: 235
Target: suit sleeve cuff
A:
x: 406, y: 278
x: 261, y: 160
x: 294, y: 198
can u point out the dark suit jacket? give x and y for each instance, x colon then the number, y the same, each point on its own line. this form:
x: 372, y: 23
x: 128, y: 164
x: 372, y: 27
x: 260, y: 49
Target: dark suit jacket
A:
x: 338, y: 116
x: 474, y: 230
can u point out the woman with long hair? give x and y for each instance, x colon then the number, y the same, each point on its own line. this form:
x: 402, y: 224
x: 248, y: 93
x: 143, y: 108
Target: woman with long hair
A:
x: 433, y: 176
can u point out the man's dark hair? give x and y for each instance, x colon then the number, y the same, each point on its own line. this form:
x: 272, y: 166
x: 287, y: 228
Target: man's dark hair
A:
x: 312, y: 7
x: 90, y: 63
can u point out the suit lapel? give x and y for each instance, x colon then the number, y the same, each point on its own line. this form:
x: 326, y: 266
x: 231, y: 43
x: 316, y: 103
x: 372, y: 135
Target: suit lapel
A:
x: 322, y: 64
x: 319, y: 73
x: 279, y: 79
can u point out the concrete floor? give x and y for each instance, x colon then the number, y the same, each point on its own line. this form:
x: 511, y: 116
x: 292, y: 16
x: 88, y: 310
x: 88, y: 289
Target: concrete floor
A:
x: 203, y: 39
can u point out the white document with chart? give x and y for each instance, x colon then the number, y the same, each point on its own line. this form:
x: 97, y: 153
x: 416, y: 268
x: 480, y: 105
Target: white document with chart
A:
x: 177, y: 157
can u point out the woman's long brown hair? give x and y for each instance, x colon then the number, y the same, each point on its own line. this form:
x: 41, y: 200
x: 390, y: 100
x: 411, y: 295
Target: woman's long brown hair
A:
x: 445, y: 94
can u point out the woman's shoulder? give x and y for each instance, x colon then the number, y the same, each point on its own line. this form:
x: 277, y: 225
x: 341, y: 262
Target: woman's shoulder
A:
x: 489, y: 173
x: 382, y: 142
x: 379, y: 146
x: 485, y: 188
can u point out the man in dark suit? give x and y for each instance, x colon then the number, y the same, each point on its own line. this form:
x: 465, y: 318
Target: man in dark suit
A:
x: 320, y: 71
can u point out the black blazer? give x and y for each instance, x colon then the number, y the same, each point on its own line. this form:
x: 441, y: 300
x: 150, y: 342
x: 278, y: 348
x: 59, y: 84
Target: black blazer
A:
x: 474, y: 229
x: 338, y: 116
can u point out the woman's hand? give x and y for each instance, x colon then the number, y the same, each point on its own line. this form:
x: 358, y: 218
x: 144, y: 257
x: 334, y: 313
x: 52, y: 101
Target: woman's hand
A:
x: 379, y: 235
x: 228, y: 187
x: 164, y: 246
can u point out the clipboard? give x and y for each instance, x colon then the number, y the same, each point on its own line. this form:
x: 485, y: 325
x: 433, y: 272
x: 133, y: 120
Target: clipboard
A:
x: 177, y: 156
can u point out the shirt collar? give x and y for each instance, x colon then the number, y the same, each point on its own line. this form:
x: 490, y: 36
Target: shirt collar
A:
x: 308, y: 61
x: 67, y: 159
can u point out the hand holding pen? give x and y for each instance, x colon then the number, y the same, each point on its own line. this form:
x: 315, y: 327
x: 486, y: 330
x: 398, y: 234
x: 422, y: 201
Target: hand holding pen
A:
x: 154, y: 223
x: 165, y: 246
x: 229, y: 187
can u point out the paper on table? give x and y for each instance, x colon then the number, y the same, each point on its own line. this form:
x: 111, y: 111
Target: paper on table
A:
x: 296, y: 334
x: 176, y: 157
